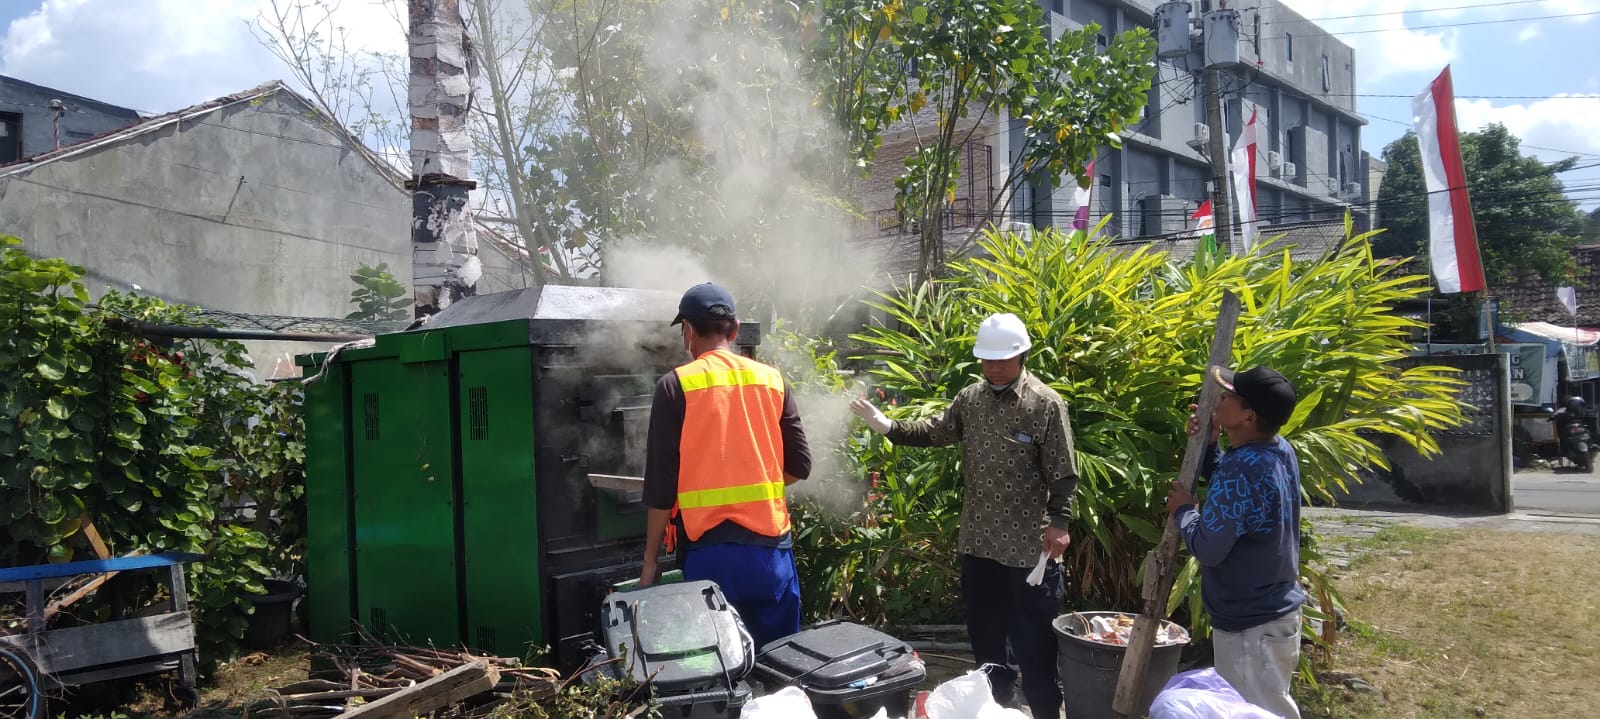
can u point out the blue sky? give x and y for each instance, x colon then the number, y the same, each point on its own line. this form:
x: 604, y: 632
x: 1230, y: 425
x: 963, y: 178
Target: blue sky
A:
x: 159, y: 55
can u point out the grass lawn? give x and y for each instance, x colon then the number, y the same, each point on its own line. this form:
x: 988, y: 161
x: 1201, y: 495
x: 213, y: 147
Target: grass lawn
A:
x: 1468, y: 624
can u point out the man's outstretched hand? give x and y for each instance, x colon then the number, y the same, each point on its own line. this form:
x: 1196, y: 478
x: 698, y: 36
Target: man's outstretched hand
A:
x: 875, y: 418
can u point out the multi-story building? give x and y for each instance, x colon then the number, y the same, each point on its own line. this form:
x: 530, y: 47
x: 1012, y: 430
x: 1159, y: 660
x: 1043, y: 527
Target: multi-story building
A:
x: 1297, y: 78
x: 35, y: 119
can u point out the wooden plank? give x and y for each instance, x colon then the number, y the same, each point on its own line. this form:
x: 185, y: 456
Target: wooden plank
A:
x: 120, y: 671
x: 35, y: 606
x: 456, y: 685
x: 97, y: 566
x: 187, y: 674
x: 50, y: 584
x: 81, y: 592
x: 341, y: 694
x: 78, y: 594
x: 617, y: 482
x: 1161, y: 566
x: 101, y: 551
x: 64, y: 650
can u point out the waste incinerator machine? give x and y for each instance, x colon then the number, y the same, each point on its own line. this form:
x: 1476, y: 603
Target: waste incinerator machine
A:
x: 474, y: 481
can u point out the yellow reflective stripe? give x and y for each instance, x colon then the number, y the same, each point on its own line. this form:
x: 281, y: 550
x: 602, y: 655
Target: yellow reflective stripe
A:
x: 730, y: 378
x: 723, y: 496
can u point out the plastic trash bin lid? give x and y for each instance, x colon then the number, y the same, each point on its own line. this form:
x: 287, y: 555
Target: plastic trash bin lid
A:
x: 832, y: 655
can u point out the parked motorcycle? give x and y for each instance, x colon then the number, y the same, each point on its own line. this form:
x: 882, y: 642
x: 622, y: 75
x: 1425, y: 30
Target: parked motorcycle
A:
x: 1576, y: 443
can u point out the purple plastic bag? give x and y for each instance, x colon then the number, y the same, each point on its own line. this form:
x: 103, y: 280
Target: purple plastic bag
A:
x: 1203, y: 694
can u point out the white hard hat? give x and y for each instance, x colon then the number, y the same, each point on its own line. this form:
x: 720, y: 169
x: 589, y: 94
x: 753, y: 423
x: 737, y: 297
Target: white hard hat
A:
x: 1001, y: 337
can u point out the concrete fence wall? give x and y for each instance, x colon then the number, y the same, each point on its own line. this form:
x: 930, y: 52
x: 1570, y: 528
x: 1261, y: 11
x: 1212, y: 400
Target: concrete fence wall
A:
x: 1473, y: 472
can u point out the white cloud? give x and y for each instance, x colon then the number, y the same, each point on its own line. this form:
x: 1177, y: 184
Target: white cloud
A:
x: 1402, y: 50
x: 161, y: 55
x: 1568, y: 123
x: 1397, y: 50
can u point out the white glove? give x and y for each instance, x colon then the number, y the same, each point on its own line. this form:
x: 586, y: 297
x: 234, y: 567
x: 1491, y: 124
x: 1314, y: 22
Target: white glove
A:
x: 1036, y: 577
x: 877, y: 420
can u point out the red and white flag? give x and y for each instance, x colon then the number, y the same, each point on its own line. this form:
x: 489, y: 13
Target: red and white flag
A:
x: 1452, y: 238
x: 1244, y: 181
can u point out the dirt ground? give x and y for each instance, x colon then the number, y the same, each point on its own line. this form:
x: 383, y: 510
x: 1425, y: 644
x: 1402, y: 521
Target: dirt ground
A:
x: 1446, y: 622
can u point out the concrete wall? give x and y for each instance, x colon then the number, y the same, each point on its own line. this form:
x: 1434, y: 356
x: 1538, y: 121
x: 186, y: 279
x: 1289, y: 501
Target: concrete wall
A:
x: 83, y: 119
x: 253, y: 208
x: 1474, y: 470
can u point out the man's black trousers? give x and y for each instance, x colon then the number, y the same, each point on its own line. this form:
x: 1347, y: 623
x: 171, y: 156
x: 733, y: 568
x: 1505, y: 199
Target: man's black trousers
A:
x: 1009, y: 624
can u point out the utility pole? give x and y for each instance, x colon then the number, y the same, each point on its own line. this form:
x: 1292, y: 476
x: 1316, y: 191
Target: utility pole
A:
x: 444, y: 245
x: 1217, y: 149
x: 57, y: 110
x: 1220, y: 48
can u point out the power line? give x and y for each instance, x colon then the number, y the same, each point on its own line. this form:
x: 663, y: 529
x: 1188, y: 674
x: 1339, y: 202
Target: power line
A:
x: 1406, y: 12
x: 1452, y: 24
x: 1470, y: 97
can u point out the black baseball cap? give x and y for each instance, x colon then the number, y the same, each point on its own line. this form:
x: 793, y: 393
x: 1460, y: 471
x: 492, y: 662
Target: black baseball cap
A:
x: 1267, y: 392
x: 706, y: 301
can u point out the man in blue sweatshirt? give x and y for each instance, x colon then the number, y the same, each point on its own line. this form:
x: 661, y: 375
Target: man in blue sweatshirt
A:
x: 1246, y: 536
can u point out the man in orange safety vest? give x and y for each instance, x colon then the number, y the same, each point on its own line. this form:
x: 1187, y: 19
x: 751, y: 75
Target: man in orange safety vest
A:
x: 725, y: 439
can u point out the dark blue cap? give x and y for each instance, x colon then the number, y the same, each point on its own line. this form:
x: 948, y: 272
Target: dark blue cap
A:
x: 705, y: 302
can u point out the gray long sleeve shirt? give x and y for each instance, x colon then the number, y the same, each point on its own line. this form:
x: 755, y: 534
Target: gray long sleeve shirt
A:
x: 1017, y: 465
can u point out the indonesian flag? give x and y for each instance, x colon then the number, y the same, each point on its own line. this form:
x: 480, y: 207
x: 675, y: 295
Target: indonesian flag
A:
x: 1205, y: 228
x: 1452, y: 239
x: 1082, y: 196
x: 1244, y: 181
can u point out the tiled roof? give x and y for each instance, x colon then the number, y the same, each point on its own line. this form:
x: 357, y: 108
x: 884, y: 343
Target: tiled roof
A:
x: 1305, y: 241
x: 1534, y: 300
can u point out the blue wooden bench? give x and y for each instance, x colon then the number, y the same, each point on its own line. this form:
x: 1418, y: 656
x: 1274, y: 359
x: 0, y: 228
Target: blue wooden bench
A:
x: 46, y: 659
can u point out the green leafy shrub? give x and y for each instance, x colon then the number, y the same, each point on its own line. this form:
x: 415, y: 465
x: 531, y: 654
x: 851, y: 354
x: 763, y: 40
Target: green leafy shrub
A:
x: 155, y: 443
x: 1123, y: 335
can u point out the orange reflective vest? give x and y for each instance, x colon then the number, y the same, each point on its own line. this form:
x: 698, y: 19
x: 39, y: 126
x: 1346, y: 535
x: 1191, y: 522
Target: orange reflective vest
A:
x: 731, y: 452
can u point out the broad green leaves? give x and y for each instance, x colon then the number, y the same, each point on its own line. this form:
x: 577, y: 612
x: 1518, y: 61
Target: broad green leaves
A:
x: 145, y: 439
x: 1123, y: 335
x: 378, y: 296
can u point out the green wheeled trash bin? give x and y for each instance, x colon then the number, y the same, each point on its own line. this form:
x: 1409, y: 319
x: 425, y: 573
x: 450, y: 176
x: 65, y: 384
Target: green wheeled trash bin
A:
x: 1089, y: 669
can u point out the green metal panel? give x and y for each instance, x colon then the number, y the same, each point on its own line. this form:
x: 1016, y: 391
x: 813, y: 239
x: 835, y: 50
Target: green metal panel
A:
x: 490, y: 335
x: 422, y: 346
x: 500, y: 507
x: 404, y: 512
x: 328, y: 505
x: 613, y: 521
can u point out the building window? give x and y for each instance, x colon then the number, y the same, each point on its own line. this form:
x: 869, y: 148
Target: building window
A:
x: 1327, y: 75
x: 10, y: 137
x: 1141, y: 218
x: 1059, y: 6
x: 1101, y: 40
x: 1288, y: 46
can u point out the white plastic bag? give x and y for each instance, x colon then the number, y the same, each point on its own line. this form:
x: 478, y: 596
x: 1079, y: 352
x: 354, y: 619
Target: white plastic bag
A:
x: 1203, y: 694
x: 788, y: 703
x: 967, y: 697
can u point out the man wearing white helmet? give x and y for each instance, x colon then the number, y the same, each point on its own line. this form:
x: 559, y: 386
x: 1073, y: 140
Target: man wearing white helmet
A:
x: 1017, y: 462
